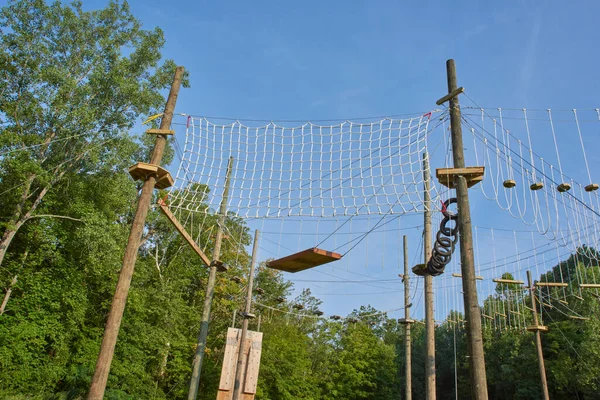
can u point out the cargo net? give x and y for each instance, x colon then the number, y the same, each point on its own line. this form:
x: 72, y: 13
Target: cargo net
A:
x: 346, y: 169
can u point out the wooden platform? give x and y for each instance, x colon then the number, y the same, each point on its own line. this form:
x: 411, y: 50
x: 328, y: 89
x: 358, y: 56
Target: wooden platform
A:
x: 534, y: 328
x: 141, y: 171
x: 405, y: 321
x: 304, y: 260
x: 447, y: 176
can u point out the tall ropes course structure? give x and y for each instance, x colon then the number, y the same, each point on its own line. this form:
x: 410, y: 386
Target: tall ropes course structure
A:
x: 332, y: 192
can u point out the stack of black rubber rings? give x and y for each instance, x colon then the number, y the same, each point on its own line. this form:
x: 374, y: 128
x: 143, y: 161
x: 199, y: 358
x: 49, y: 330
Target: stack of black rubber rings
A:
x: 445, y: 241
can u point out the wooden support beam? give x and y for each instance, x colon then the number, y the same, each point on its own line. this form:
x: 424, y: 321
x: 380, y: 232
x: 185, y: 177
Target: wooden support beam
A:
x: 165, y: 210
x: 477, y: 373
x: 450, y: 96
x: 509, y: 281
x: 486, y: 316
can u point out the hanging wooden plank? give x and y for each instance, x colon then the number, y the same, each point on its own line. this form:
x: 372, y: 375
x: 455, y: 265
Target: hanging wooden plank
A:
x: 165, y: 209
x: 304, y: 260
x: 230, y: 359
x: 552, y: 284
x: 255, y: 351
x: 590, y: 285
x: 250, y: 364
x: 508, y: 281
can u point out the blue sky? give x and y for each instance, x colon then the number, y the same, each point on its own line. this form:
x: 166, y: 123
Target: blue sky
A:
x: 314, y: 60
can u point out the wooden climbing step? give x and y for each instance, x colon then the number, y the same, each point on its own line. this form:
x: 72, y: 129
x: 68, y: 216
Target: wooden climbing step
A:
x: 141, y: 171
x: 447, y: 176
x: 306, y: 259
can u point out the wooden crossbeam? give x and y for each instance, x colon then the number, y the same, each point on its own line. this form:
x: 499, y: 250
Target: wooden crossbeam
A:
x: 450, y: 96
x: 165, y: 209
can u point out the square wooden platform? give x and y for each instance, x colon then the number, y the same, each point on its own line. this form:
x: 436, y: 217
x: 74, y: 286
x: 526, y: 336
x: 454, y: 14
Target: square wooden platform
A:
x: 446, y: 176
x: 304, y: 260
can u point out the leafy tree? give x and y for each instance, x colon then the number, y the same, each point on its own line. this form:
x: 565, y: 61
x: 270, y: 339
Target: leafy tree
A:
x: 74, y: 83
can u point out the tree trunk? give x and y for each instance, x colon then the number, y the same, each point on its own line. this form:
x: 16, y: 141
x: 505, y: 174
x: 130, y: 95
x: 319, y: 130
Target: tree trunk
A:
x: 7, y: 237
x: 7, y: 295
x: 12, y: 283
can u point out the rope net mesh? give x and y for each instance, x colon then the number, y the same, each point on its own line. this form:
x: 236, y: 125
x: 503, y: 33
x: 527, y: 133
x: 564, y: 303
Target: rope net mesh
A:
x: 347, y: 169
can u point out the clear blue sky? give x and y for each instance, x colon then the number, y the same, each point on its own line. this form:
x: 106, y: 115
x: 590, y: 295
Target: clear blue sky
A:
x: 313, y: 60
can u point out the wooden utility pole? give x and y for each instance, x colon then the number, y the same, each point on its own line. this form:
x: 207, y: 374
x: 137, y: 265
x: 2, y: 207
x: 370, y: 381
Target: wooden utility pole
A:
x: 237, y: 388
x: 429, y: 316
x: 467, y: 261
x: 210, y: 289
x: 111, y: 331
x: 407, y: 322
x: 536, y: 328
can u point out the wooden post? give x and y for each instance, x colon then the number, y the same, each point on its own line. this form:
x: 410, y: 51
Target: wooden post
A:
x: 233, y: 319
x: 210, y: 289
x: 538, y: 339
x: 429, y: 317
x: 237, y: 388
x: 467, y: 261
x: 407, y: 344
x: 113, y: 323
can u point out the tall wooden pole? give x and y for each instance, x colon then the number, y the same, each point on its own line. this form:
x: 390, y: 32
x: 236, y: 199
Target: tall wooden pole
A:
x: 429, y: 317
x: 467, y: 261
x: 407, y: 344
x: 210, y: 289
x: 538, y: 339
x: 113, y: 323
x: 237, y: 388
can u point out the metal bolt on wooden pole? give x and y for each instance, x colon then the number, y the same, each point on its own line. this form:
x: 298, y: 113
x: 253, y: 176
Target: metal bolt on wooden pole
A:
x: 210, y: 289
x: 538, y: 339
x: 237, y: 388
x: 407, y: 344
x: 429, y: 317
x: 467, y: 261
x: 113, y: 323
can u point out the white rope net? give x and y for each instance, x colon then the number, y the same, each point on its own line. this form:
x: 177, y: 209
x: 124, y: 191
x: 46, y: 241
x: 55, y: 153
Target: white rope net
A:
x: 346, y: 169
